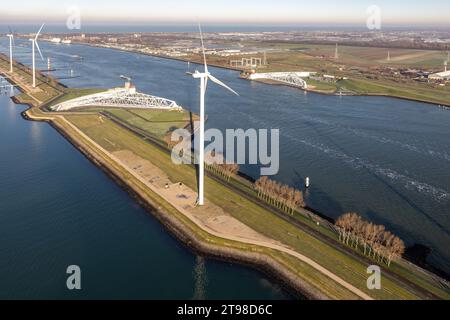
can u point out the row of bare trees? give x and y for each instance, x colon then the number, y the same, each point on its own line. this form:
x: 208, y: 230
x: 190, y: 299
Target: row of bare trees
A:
x: 168, y: 140
x: 217, y: 164
x: 225, y: 170
x: 282, y: 196
x: 374, y: 239
x: 214, y: 161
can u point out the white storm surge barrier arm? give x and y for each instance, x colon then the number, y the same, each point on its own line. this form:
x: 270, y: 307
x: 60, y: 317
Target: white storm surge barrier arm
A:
x: 119, y: 98
x: 291, y: 78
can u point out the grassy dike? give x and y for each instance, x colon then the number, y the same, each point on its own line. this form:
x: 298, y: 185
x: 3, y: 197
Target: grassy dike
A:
x: 250, y: 213
x: 382, y: 88
x: 295, y: 274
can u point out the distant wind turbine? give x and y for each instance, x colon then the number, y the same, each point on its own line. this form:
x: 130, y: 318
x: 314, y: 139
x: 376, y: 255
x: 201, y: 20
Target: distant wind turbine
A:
x: 203, y: 84
x: 11, y: 43
x: 35, y: 44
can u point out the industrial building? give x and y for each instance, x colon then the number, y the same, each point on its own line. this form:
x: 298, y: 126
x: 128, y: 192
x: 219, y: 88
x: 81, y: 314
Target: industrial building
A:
x: 445, y: 75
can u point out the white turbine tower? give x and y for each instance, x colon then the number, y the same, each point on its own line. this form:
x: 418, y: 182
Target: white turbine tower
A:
x: 35, y: 44
x: 203, y: 84
x: 11, y: 43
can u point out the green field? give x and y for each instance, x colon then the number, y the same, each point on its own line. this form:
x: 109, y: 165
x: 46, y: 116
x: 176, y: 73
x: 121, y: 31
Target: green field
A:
x: 358, y: 86
x: 157, y: 123
x: 370, y: 56
x: 396, y: 89
x: 325, y: 87
x: 292, y: 53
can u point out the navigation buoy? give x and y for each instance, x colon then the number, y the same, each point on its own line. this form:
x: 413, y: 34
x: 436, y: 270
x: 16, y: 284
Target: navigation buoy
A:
x: 307, y: 182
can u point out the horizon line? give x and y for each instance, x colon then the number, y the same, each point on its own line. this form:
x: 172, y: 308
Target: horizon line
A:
x: 410, y: 26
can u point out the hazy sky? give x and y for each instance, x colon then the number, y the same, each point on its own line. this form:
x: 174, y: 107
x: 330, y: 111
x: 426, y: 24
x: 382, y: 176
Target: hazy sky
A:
x: 283, y: 12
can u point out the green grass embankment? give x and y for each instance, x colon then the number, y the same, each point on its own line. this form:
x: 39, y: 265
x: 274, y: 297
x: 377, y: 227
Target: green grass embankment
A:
x: 244, y: 210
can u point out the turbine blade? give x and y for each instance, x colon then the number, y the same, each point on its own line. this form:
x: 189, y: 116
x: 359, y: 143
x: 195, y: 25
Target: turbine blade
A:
x: 39, y: 49
x: 40, y: 29
x: 203, y: 47
x: 220, y: 83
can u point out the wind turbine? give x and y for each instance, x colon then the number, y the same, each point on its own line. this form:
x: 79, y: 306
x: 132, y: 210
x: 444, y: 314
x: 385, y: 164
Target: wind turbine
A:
x: 11, y: 43
x: 204, y: 76
x: 34, y: 44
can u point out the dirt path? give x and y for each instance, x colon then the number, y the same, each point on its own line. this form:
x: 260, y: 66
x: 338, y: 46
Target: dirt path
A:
x: 210, y: 216
x: 241, y: 232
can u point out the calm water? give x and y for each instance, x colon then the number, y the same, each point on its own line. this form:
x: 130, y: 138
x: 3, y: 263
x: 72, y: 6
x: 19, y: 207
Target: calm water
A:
x: 386, y: 158
x: 57, y: 209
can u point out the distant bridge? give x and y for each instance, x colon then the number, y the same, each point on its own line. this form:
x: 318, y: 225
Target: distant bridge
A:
x: 119, y: 98
x: 291, y: 78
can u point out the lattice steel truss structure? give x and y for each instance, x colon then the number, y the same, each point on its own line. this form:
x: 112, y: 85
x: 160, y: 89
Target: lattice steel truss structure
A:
x: 119, y: 98
x: 294, y: 79
x: 290, y: 78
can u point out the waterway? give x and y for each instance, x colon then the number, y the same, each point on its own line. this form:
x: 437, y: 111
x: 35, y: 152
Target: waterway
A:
x: 386, y: 158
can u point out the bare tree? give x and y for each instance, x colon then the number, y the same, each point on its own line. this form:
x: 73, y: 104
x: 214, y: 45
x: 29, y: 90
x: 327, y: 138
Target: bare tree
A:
x: 215, y: 162
x: 377, y: 243
x: 281, y: 196
x: 397, y: 249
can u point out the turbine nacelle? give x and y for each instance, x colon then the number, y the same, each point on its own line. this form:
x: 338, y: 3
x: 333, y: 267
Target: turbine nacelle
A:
x: 11, y: 38
x: 197, y: 74
x: 11, y: 34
